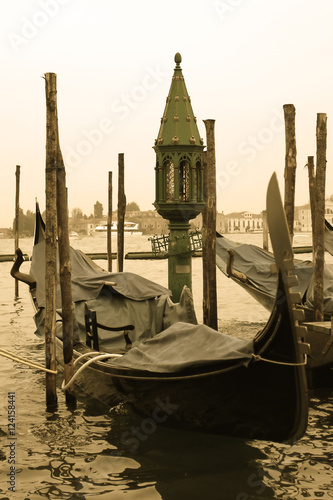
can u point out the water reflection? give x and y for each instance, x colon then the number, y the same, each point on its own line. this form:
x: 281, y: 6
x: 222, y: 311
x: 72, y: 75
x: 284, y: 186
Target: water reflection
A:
x: 190, y: 465
x: 81, y: 454
x: 305, y: 469
x: 66, y: 455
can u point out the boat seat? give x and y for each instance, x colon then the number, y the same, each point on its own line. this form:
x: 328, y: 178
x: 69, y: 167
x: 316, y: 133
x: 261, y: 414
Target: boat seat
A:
x: 91, y: 325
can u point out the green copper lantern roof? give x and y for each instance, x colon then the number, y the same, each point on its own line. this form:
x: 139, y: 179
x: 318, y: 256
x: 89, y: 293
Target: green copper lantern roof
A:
x: 178, y: 124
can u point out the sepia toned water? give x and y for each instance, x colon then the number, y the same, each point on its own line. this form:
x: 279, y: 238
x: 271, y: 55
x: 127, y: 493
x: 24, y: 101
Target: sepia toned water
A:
x: 91, y: 453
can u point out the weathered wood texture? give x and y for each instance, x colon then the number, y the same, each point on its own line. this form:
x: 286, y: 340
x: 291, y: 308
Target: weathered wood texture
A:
x: 17, y: 219
x: 312, y: 192
x: 121, y: 212
x: 204, y: 238
x: 63, y: 247
x: 319, y: 247
x: 65, y: 271
x: 50, y: 236
x: 209, y: 230
x: 290, y: 165
x: 109, y: 224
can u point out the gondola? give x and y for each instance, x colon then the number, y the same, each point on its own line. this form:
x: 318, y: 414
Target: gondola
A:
x: 193, y: 377
x: 255, y: 271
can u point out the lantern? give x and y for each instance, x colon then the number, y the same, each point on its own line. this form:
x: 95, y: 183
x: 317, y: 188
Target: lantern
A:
x: 179, y: 177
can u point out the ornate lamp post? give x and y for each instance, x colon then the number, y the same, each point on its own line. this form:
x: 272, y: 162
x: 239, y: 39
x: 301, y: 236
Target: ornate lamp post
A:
x: 179, y: 178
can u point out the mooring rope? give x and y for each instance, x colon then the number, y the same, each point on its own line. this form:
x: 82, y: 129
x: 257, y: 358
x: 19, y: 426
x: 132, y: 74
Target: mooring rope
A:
x: 100, y: 357
x: 25, y: 361
x: 97, y: 357
x: 257, y: 357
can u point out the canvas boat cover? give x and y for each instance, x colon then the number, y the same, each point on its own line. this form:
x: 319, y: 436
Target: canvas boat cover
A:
x: 88, y: 279
x: 133, y: 300
x: 259, y: 267
x: 182, y: 346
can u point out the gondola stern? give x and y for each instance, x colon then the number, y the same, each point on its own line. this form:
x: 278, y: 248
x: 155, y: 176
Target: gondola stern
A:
x: 293, y: 333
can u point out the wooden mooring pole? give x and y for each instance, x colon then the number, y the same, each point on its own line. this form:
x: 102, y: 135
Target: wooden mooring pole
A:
x: 319, y: 246
x: 312, y: 192
x: 17, y: 219
x: 109, y: 224
x: 63, y: 241
x: 121, y: 212
x: 204, y: 238
x: 290, y: 166
x: 50, y: 239
x: 209, y: 231
x: 65, y: 271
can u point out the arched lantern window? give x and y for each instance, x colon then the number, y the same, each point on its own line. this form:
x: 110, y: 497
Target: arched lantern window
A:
x: 169, y: 170
x: 184, y: 180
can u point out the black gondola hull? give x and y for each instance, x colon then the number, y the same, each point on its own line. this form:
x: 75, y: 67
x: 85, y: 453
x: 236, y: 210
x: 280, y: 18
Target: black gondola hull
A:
x: 263, y: 400
x: 244, y: 402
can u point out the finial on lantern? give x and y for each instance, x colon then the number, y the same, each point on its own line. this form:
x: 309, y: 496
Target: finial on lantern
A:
x: 178, y: 59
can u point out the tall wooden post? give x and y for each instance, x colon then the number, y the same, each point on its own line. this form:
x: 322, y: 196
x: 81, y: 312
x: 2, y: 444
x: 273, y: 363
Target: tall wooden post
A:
x: 290, y: 166
x: 65, y: 270
x: 209, y: 230
x: 204, y: 238
x: 17, y: 217
x: 312, y: 192
x: 319, y: 246
x: 121, y: 212
x: 109, y: 224
x: 50, y: 238
x: 63, y: 243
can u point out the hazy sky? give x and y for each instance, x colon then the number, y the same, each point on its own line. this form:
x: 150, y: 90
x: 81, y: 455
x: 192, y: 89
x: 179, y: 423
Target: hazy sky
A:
x: 114, y: 59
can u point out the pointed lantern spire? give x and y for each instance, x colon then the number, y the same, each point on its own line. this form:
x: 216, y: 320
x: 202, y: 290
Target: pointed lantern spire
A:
x: 178, y: 124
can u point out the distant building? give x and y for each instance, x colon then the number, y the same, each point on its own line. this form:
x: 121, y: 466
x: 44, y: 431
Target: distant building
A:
x: 302, y: 218
x: 83, y: 226
x: 150, y: 222
x: 242, y: 222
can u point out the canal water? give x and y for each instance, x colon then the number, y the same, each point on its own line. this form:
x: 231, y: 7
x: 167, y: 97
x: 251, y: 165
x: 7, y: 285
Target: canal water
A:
x: 91, y: 452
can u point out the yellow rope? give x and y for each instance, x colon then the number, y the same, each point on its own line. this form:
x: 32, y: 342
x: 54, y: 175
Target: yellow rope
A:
x: 24, y: 361
x: 256, y: 357
x: 97, y: 357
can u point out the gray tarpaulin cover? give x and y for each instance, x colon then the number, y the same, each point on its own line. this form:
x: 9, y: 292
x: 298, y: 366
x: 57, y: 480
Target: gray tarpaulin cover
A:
x: 184, y: 345
x: 328, y: 290
x: 134, y: 300
x: 89, y: 279
x: 259, y: 267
